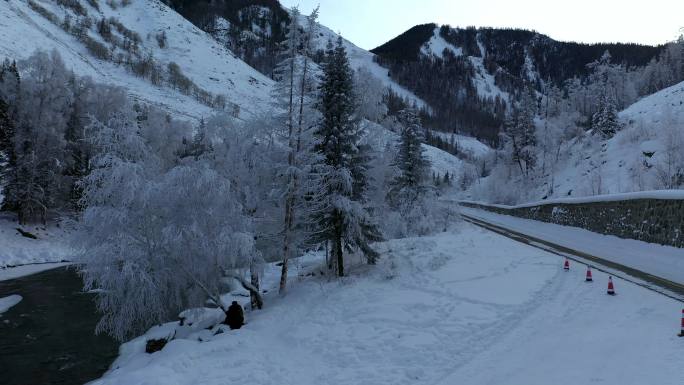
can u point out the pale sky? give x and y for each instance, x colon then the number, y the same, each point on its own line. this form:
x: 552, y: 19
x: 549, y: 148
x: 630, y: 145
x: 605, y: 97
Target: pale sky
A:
x: 369, y: 23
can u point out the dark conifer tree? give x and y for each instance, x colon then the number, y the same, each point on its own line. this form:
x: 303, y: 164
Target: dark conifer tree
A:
x: 9, y: 92
x: 413, y: 165
x: 343, y: 221
x: 605, y: 121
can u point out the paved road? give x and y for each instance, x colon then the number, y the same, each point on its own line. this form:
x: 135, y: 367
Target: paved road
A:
x: 661, y: 285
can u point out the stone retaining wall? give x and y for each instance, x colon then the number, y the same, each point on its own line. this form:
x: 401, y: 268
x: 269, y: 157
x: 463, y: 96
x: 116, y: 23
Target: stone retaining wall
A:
x: 651, y: 220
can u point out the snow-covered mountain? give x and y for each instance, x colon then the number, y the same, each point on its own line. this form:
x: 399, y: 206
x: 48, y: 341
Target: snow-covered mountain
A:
x: 482, y: 80
x: 106, y: 40
x: 205, y: 58
x: 360, y: 58
x: 156, y: 31
x: 467, y: 75
x: 252, y: 29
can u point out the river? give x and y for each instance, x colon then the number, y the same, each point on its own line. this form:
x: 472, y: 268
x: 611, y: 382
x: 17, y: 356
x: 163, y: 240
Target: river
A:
x: 48, y: 338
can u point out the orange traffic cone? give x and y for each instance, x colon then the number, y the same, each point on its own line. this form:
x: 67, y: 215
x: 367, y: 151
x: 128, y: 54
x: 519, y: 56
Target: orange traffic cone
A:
x: 566, y: 265
x: 589, y: 279
x: 611, y: 289
x: 681, y: 333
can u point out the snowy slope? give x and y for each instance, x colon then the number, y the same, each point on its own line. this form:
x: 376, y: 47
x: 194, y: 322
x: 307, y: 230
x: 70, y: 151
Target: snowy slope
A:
x: 643, y: 156
x: 483, y: 80
x: 442, y: 162
x: 436, y: 46
x: 208, y: 64
x: 359, y: 58
x: 466, y: 143
x: 622, y: 164
x: 661, y: 108
x: 460, y: 307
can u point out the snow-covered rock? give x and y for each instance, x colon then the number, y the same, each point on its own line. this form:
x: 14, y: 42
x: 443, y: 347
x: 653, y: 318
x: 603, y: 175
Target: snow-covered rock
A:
x: 7, y: 302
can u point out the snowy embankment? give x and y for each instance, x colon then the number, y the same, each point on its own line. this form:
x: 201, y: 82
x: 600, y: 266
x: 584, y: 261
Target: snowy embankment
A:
x: 467, y: 306
x: 662, y: 261
x: 642, y: 156
x: 16, y: 249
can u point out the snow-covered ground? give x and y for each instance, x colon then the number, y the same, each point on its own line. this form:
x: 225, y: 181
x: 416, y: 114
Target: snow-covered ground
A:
x: 662, y: 261
x: 16, y: 249
x: 7, y: 302
x: 465, y: 306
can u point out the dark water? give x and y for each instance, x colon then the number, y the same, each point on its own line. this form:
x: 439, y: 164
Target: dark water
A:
x: 48, y: 337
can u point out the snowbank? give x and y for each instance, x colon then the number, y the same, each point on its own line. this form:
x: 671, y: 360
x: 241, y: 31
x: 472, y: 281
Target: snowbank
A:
x: 654, y: 194
x: 7, y: 273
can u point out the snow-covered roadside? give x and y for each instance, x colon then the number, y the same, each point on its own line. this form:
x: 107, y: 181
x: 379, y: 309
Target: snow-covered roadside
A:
x: 663, y: 261
x: 21, y: 255
x: 7, y: 302
x: 458, y: 307
x: 653, y: 194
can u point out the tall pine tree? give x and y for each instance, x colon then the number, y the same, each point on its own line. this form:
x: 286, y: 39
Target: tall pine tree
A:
x: 342, y: 220
x: 605, y: 121
x: 519, y: 130
x: 411, y: 182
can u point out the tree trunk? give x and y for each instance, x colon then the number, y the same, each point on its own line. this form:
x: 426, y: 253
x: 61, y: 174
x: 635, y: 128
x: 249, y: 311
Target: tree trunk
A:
x: 337, y: 248
x: 254, y: 296
x: 287, y: 240
x: 256, y: 301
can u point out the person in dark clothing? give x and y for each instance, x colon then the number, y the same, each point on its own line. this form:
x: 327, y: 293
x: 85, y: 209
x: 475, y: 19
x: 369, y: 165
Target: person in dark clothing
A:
x: 235, y: 318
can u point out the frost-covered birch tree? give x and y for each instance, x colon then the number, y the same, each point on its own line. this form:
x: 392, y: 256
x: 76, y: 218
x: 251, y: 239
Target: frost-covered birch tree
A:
x: 156, y: 236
